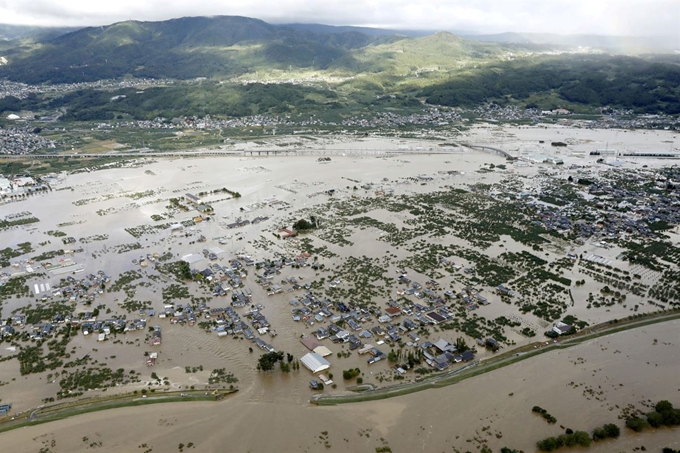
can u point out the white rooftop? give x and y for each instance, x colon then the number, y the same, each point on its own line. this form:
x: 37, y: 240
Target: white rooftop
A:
x: 323, y: 351
x: 314, y: 362
x: 192, y: 258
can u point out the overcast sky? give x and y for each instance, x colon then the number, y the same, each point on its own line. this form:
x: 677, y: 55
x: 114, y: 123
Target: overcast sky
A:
x: 606, y: 17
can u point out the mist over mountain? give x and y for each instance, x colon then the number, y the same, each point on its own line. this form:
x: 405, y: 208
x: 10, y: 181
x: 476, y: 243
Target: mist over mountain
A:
x: 616, y: 44
x: 10, y: 32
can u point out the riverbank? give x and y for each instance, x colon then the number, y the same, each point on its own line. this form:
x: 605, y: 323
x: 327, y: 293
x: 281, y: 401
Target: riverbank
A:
x: 493, y: 363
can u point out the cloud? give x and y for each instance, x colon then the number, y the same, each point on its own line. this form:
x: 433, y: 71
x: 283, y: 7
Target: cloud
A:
x: 620, y: 17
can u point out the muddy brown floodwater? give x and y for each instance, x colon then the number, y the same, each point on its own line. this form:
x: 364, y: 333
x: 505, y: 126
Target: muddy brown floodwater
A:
x: 583, y: 387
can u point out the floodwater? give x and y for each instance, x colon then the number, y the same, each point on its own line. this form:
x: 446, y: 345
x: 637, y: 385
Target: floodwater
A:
x: 107, y: 202
x: 100, y: 203
x: 583, y: 387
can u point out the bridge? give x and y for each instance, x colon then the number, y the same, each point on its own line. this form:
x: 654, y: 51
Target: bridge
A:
x: 259, y: 152
x: 121, y: 155
x: 253, y: 152
x: 489, y: 148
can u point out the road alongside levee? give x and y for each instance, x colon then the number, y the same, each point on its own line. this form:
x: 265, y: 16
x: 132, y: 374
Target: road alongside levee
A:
x: 48, y: 413
x: 476, y: 368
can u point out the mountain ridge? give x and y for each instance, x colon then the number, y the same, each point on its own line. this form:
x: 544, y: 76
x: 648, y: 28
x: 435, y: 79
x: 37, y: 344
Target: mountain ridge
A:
x: 176, y: 49
x: 349, y: 69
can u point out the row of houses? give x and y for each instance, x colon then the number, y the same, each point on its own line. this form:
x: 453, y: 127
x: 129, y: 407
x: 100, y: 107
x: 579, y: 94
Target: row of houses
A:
x: 86, y: 322
x: 442, y: 354
x: 348, y: 327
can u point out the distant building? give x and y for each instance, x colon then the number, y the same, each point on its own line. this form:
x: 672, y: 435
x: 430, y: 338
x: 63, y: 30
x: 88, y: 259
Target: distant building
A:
x: 561, y: 328
x: 191, y: 198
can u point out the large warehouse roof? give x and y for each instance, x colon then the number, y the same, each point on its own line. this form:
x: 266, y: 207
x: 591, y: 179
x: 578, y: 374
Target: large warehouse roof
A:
x: 315, y: 362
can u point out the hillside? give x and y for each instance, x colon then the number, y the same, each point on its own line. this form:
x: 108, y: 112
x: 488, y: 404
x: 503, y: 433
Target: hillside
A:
x: 587, y: 80
x: 180, y: 48
x: 350, y: 70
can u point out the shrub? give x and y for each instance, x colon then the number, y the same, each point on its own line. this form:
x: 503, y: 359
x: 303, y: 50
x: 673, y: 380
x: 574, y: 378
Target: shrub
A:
x: 610, y: 430
x: 663, y: 406
x: 565, y: 440
x: 351, y: 373
x: 637, y: 424
x: 655, y: 419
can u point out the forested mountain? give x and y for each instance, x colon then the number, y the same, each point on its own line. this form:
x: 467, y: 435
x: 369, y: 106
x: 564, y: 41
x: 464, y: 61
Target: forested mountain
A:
x: 364, y: 65
x: 178, y: 48
x: 581, y: 79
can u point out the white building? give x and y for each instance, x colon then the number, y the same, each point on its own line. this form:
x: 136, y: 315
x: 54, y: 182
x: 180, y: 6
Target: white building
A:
x: 314, y: 362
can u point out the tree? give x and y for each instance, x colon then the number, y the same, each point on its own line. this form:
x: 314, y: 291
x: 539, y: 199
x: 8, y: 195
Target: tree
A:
x: 302, y: 225
x: 548, y: 444
x: 637, y: 424
x: 612, y: 430
x: 655, y: 419
x: 267, y: 361
x: 461, y: 345
x: 578, y: 438
x: 663, y: 406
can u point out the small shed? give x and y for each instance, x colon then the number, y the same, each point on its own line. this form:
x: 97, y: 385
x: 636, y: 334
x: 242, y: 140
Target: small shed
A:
x: 323, y: 351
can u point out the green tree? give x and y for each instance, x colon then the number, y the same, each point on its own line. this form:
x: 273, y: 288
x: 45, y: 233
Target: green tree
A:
x: 302, y: 225
x: 461, y: 345
x: 655, y: 419
x: 267, y: 361
x: 637, y: 424
x: 663, y: 406
x: 548, y: 444
x: 612, y: 430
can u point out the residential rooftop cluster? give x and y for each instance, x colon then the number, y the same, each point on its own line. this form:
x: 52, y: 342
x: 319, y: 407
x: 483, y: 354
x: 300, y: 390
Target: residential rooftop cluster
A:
x: 22, y: 90
x: 431, y: 115
x: 23, y: 140
x: 647, y: 198
x: 339, y: 322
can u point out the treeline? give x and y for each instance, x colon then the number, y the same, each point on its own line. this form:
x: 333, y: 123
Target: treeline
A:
x: 569, y: 439
x: 617, y: 81
x: 664, y: 414
x: 286, y: 361
x: 579, y: 438
x: 175, y: 101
